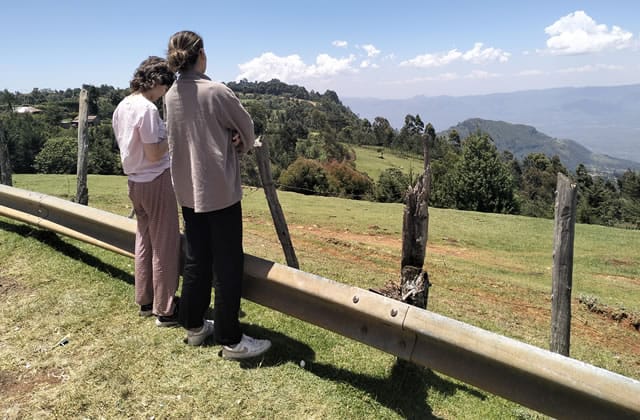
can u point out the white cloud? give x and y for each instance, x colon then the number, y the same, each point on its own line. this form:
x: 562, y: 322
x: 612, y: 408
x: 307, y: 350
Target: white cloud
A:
x: 476, y: 55
x: 479, y: 55
x: 371, y: 50
x: 480, y: 74
x: 329, y: 66
x: 340, y: 44
x: 433, y: 60
x: 531, y: 72
x: 578, y: 33
x: 589, y: 68
x: 368, y: 64
x: 291, y: 68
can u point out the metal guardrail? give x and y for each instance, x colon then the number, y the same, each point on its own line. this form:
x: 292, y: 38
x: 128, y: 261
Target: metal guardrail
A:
x: 539, y: 379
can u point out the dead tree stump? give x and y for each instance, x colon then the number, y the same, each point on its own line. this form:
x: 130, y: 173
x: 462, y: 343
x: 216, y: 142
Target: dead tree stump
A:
x: 414, y: 282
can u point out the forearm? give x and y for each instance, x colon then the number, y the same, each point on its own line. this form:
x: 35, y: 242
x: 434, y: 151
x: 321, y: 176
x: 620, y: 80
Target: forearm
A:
x: 155, y: 151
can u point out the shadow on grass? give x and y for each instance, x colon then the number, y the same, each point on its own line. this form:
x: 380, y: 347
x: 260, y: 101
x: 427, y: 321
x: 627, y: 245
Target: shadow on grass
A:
x: 405, y: 391
x: 54, y: 241
x: 284, y: 349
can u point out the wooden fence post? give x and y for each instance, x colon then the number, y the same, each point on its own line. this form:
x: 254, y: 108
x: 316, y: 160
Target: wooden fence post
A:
x: 82, y: 193
x: 415, y: 229
x: 264, y: 168
x: 6, y: 173
x: 564, y: 232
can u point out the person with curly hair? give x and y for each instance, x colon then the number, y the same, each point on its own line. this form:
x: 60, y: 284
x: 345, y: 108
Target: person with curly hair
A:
x: 142, y: 138
x: 208, y: 128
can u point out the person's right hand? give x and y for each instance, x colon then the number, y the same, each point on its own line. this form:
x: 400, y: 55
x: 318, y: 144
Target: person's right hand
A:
x: 235, y: 139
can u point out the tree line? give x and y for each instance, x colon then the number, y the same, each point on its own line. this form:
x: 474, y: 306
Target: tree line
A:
x: 310, y: 136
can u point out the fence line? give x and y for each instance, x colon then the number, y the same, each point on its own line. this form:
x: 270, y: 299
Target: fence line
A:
x: 539, y: 379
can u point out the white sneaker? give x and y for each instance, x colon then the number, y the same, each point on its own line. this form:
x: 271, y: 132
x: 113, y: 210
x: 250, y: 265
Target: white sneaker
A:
x: 247, y: 347
x: 196, y: 338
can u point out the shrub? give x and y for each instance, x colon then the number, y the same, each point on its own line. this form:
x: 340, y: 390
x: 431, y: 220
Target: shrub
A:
x: 344, y: 180
x: 392, y: 186
x: 57, y: 156
x: 304, y: 176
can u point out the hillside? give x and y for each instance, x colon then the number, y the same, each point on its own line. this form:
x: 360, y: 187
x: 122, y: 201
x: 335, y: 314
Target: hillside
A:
x: 603, y: 119
x: 487, y: 270
x: 522, y: 139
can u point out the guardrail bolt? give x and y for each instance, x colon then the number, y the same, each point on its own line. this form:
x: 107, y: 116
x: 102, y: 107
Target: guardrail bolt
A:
x: 356, y: 299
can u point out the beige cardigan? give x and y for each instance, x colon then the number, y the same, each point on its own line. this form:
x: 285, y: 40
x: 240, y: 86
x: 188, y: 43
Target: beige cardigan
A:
x: 201, y: 116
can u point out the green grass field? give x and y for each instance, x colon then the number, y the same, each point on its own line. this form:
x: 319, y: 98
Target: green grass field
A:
x: 488, y: 270
x: 372, y: 162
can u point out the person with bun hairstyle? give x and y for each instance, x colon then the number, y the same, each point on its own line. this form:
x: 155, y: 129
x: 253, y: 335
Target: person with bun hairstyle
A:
x: 142, y: 138
x: 208, y: 128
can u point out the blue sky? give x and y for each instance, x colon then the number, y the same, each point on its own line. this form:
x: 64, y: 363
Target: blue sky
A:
x: 372, y: 48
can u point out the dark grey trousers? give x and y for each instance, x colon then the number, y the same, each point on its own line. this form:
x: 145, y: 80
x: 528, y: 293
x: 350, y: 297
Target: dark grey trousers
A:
x: 214, y: 257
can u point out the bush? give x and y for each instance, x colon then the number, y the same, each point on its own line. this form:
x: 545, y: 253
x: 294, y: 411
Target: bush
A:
x: 58, y: 156
x: 392, y: 186
x: 304, y: 176
x: 346, y: 181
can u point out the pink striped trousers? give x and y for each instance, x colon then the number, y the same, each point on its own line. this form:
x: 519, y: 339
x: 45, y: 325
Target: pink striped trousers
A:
x: 157, y: 247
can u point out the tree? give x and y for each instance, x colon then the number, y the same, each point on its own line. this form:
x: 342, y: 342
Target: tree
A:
x: 392, y: 186
x: 443, y: 180
x: 383, y: 132
x: 409, y: 139
x: 24, y: 136
x: 482, y: 181
x: 538, y: 184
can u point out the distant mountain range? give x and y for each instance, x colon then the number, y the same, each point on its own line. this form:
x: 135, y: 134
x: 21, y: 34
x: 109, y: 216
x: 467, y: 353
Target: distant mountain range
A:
x: 605, y: 120
x: 522, y: 140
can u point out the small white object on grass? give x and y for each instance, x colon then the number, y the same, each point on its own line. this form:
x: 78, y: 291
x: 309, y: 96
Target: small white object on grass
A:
x: 302, y: 363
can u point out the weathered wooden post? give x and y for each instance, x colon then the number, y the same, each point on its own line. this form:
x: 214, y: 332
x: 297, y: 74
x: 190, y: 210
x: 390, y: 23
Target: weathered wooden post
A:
x: 415, y: 228
x: 565, y: 220
x: 264, y: 168
x: 82, y: 193
x: 6, y: 172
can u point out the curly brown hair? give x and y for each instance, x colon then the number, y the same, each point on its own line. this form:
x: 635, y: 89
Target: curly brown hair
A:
x: 184, y: 48
x: 152, y: 72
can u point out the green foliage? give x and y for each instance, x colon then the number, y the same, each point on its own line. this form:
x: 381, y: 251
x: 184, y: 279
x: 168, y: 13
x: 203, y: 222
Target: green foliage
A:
x: 58, y: 156
x: 345, y: 181
x: 443, y: 177
x: 482, y: 181
x: 305, y: 124
x: 383, y: 132
x: 539, y: 178
x: 392, y: 186
x: 25, y: 135
x: 305, y: 176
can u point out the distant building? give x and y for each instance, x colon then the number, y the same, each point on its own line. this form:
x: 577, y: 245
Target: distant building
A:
x: 91, y: 120
x: 26, y: 109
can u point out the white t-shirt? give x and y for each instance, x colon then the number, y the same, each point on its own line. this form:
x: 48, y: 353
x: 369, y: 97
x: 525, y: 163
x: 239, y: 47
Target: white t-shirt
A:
x: 135, y: 121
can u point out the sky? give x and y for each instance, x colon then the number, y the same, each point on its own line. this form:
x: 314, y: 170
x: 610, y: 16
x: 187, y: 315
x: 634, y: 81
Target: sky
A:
x: 375, y: 49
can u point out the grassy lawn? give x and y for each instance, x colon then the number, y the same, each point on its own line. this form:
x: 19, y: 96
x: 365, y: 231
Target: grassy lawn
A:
x: 373, y: 162
x: 492, y: 271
